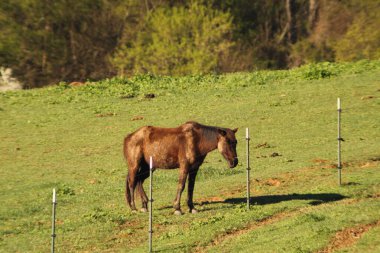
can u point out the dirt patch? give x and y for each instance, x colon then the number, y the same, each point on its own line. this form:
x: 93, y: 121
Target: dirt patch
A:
x: 367, y: 97
x: 263, y: 145
x: 131, y: 224
x: 203, y: 201
x: 262, y: 156
x: 108, y: 114
x: 326, y: 164
x: 347, y: 237
x: 374, y: 195
x: 283, y: 180
x: 93, y: 181
x: 273, y: 182
x: 137, y: 118
x: 369, y: 164
x: 331, y: 166
x: 320, y: 161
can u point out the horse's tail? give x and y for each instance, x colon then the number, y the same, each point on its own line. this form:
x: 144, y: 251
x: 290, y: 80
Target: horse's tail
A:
x: 127, y: 191
x: 125, y: 148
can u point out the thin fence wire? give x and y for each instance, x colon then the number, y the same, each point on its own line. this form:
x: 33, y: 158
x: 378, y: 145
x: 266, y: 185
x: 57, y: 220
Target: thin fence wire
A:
x: 63, y: 241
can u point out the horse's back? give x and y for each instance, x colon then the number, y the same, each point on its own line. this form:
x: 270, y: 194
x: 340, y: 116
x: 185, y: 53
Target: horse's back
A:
x: 165, y: 145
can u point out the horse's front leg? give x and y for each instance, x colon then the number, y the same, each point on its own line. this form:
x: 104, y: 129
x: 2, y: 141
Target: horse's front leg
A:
x: 181, y: 186
x: 190, y: 190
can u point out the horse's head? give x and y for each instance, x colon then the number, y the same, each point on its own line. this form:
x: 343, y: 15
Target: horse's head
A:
x: 227, y: 145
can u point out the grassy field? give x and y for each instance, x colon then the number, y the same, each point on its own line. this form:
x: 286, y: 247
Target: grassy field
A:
x: 70, y: 138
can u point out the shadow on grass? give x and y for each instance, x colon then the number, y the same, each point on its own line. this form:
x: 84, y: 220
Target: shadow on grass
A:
x: 315, y: 199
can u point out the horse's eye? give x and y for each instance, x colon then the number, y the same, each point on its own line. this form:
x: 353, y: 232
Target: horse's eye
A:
x: 232, y: 142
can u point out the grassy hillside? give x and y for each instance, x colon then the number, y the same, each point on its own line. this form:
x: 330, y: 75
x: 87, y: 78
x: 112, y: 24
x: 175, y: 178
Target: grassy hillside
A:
x: 71, y: 138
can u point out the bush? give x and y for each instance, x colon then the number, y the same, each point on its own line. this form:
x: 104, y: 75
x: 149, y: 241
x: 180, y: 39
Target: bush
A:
x: 317, y: 71
x: 177, y: 41
x: 362, y: 40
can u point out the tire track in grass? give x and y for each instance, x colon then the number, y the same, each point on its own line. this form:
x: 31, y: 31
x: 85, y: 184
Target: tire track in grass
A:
x: 250, y: 226
x: 285, y: 179
x: 276, y: 217
x: 281, y: 215
x: 347, y: 237
x: 268, y: 221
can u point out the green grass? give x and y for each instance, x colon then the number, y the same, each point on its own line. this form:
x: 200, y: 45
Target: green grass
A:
x: 71, y: 139
x: 306, y: 232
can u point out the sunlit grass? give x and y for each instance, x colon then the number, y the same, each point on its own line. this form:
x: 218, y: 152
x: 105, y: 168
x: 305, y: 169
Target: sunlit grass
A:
x: 71, y: 139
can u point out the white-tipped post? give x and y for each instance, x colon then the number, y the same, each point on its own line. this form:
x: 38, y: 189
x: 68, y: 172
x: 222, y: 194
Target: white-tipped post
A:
x: 54, y: 196
x: 339, y: 143
x: 150, y: 202
x: 338, y: 103
x: 53, y: 222
x: 248, y: 168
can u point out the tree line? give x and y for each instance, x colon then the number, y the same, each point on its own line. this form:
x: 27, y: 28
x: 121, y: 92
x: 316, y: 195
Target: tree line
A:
x: 47, y: 41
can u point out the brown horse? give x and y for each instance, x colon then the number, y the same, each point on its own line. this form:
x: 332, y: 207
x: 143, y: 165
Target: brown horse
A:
x: 184, y: 147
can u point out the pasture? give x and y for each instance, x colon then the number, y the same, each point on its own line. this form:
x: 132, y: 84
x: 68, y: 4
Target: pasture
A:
x: 71, y: 138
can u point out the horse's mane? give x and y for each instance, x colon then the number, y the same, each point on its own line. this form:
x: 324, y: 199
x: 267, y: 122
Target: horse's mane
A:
x: 209, y: 133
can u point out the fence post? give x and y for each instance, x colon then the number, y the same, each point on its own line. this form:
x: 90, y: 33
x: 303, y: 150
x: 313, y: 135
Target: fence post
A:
x: 248, y: 168
x: 150, y: 203
x: 339, y: 144
x: 53, y: 223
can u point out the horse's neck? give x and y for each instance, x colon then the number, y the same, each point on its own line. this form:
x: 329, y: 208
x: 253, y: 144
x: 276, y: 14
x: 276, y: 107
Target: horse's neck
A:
x: 209, y: 140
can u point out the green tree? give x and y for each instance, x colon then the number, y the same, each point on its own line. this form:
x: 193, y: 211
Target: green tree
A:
x: 9, y: 38
x: 177, y: 40
x: 46, y: 41
x: 362, y: 39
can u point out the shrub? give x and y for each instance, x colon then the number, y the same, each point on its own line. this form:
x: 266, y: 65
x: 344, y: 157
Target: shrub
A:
x: 317, y: 71
x: 177, y: 41
x: 362, y: 40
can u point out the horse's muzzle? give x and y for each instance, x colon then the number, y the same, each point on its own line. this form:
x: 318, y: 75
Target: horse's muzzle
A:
x: 234, y: 163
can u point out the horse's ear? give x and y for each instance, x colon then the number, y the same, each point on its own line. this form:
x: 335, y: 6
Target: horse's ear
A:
x: 235, y: 130
x: 222, y: 132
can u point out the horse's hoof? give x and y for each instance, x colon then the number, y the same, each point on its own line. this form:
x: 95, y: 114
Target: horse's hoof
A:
x: 194, y: 210
x: 177, y: 212
x: 144, y: 210
x: 134, y: 211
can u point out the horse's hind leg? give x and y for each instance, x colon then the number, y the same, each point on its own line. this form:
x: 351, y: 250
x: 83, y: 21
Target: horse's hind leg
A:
x: 134, y: 158
x: 142, y: 175
x: 131, y: 183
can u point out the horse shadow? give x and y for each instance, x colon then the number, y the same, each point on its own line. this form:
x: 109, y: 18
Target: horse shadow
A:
x: 315, y: 199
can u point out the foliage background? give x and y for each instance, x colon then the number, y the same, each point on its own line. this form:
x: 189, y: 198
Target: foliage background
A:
x: 46, y: 41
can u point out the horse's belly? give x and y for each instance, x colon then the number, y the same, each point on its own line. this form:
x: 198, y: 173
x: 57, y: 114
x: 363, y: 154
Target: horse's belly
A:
x: 163, y: 158
x: 165, y: 162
